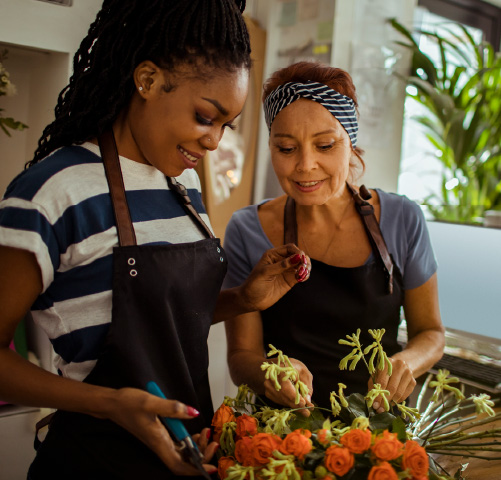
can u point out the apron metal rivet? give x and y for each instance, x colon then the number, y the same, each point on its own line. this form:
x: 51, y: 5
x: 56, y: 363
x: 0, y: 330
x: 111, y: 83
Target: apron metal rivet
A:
x: 221, y: 259
x: 218, y: 250
x: 133, y: 273
x: 132, y: 261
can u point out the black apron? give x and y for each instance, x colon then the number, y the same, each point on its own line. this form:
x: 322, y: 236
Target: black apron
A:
x: 163, y: 303
x: 308, y: 321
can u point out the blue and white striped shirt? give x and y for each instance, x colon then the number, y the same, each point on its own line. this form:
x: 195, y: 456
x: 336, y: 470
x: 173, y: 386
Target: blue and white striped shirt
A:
x: 60, y: 210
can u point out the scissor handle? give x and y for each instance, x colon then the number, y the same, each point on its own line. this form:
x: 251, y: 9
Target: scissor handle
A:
x: 175, y: 425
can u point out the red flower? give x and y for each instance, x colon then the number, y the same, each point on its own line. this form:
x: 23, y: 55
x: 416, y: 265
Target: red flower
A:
x: 223, y: 415
x: 223, y: 464
x: 415, y: 459
x: 246, y: 425
x: 387, y: 446
x: 339, y: 460
x: 263, y: 446
x: 243, y: 452
x: 383, y: 471
x: 297, y: 443
x: 356, y: 440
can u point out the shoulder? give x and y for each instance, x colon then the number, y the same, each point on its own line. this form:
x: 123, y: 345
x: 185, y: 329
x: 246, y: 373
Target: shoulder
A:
x: 245, y: 218
x: 399, y: 208
x: 52, y: 172
x: 190, y: 179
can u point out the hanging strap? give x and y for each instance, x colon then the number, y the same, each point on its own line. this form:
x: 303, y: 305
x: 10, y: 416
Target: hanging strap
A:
x: 180, y: 189
x: 371, y: 225
x: 366, y: 211
x: 109, y: 154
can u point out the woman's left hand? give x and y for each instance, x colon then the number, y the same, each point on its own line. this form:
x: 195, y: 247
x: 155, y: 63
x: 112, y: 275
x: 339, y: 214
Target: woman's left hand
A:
x: 400, y: 384
x: 274, y: 275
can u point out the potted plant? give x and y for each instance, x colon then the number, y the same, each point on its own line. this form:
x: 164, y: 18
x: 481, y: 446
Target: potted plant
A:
x: 7, y: 89
x: 461, y: 96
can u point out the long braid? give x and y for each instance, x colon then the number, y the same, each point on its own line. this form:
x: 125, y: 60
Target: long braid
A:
x: 125, y: 33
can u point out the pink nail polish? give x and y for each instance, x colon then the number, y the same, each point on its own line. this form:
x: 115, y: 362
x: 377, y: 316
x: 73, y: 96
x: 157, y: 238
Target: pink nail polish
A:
x: 192, y: 412
x: 295, y: 259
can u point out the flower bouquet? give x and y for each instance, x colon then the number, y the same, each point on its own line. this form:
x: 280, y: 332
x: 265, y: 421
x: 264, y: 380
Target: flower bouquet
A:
x: 351, y: 441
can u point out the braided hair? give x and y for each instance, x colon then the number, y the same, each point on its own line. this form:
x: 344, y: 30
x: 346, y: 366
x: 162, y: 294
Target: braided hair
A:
x: 209, y: 33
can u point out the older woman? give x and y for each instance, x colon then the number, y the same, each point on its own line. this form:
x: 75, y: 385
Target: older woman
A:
x: 370, y: 250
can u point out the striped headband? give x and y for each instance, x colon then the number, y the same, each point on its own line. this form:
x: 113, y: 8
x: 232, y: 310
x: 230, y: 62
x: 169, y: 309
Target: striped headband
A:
x: 341, y: 106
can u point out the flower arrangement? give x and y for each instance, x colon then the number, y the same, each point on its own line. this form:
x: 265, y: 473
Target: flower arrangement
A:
x: 351, y: 441
x: 7, y: 88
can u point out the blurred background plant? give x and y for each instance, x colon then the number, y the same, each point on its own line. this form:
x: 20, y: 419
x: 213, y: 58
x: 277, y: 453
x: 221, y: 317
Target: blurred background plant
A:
x: 7, y: 88
x: 460, y: 96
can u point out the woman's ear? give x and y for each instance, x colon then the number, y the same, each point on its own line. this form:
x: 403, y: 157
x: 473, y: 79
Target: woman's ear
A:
x: 146, y: 76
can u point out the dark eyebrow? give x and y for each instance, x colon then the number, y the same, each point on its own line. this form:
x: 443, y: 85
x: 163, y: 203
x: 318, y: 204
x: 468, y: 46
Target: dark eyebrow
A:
x: 221, y: 109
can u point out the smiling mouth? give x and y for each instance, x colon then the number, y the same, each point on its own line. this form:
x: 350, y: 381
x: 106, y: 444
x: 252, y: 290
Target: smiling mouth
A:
x: 308, y: 184
x: 186, y: 154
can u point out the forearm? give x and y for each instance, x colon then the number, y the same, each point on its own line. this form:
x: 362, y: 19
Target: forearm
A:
x: 423, y: 351
x: 245, y: 368
x: 231, y: 303
x: 24, y: 383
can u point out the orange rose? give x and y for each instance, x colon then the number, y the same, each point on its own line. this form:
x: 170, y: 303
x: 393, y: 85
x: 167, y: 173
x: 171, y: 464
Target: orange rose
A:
x: 243, y: 452
x: 297, y: 443
x: 263, y: 446
x: 415, y: 459
x: 356, y: 440
x: 224, y: 414
x: 223, y: 464
x: 339, y: 460
x: 246, y: 425
x: 387, y: 446
x: 383, y: 471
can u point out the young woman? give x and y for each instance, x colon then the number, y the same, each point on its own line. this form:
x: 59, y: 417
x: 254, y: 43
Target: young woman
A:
x: 370, y: 250
x: 114, y: 256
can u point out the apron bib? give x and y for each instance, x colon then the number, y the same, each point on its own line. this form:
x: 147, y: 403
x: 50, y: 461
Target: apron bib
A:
x: 308, y: 321
x: 163, y: 302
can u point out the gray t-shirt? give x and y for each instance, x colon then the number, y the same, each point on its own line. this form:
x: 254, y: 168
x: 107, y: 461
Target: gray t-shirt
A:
x: 402, y: 224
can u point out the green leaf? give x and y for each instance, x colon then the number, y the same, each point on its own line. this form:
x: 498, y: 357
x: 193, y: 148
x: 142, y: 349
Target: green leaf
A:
x: 382, y: 421
x: 313, y: 422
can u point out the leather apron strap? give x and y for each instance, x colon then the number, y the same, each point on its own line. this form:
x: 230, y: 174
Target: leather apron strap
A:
x: 109, y: 154
x: 366, y: 211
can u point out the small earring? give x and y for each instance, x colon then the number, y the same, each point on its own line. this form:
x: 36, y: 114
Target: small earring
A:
x: 140, y: 89
x: 209, y: 139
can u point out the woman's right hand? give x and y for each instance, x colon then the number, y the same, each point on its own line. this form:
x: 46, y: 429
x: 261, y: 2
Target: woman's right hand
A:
x: 138, y: 412
x: 286, y: 396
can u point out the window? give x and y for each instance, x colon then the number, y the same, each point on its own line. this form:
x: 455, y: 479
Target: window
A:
x: 421, y: 171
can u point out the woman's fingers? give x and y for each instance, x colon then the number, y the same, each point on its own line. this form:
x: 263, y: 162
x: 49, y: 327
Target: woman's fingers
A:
x: 400, y: 385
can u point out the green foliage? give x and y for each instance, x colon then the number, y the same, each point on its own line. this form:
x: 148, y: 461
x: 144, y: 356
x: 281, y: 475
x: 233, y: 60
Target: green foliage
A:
x: 462, y: 97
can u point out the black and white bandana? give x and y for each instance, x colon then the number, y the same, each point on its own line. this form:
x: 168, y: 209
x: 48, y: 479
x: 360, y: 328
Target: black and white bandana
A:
x: 340, y: 106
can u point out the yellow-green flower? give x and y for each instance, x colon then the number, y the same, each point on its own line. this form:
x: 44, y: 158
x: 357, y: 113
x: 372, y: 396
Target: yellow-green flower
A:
x: 281, y: 467
x: 226, y: 440
x: 483, y: 404
x: 442, y: 383
x: 412, y: 413
x: 374, y: 393
x: 239, y: 472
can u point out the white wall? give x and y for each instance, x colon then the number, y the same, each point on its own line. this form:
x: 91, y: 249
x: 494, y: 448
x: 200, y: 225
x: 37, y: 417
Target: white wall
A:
x: 41, y: 39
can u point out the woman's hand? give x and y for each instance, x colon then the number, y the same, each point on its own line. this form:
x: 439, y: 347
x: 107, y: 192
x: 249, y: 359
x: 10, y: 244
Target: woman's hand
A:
x: 138, y: 412
x: 400, y: 384
x: 274, y: 275
x: 286, y: 396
